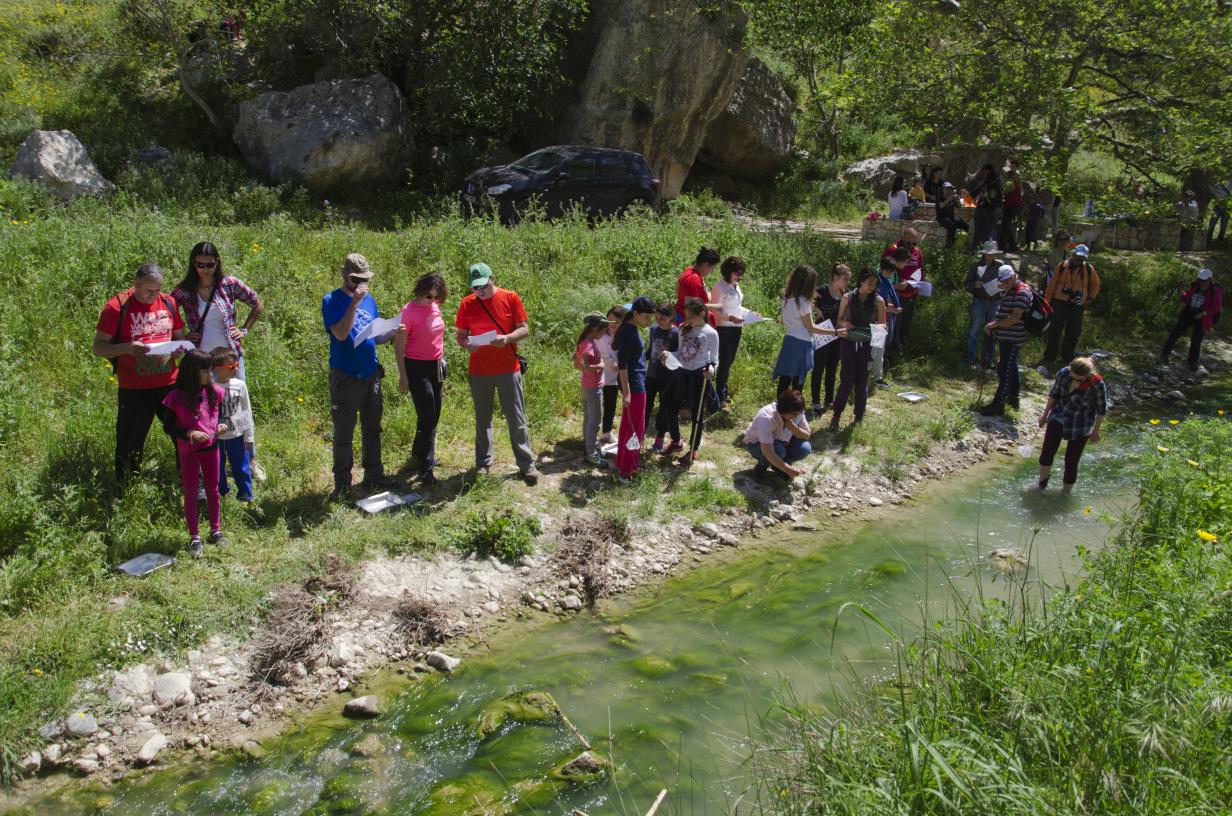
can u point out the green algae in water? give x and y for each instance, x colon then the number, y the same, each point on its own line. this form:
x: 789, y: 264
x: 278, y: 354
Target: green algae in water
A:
x: 523, y: 707
x: 891, y: 568
x: 651, y: 666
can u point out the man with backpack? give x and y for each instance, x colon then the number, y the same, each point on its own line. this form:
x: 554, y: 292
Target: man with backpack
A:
x: 1074, y: 286
x: 1010, y: 329
x: 129, y: 324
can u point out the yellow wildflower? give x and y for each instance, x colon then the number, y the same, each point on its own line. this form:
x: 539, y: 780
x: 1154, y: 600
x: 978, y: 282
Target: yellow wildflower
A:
x: 1209, y: 538
x: 14, y: 222
x: 1192, y: 463
x: 1161, y: 449
x: 1086, y: 511
x: 1220, y: 412
x: 1154, y: 421
x: 36, y: 672
x: 1174, y: 422
x: 299, y: 399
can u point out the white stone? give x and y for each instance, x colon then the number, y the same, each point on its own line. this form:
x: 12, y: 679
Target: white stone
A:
x: 492, y: 607
x: 367, y: 706
x: 81, y: 724
x: 442, y: 662
x: 246, y: 717
x: 56, y: 160
x: 571, y: 603
x: 52, y: 754
x: 341, y: 654
x: 150, y: 748
x: 173, y: 689
x: 103, y: 751
x: 875, y: 502
x: 31, y: 763
x: 86, y: 766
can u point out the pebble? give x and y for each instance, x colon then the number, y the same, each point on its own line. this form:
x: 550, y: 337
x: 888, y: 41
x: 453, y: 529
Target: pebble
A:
x: 81, y: 724
x: 151, y: 748
x: 366, y: 706
x: 442, y: 662
x: 245, y: 717
x: 571, y: 603
x: 1175, y: 395
x: 103, y: 751
x: 341, y: 654
x: 31, y: 763
x: 492, y: 607
x: 86, y: 766
x: 52, y: 754
x: 728, y: 540
x: 173, y: 689
x: 875, y: 502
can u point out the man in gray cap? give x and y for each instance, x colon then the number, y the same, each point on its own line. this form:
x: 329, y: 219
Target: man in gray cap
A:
x: 355, y: 376
x: 983, y: 304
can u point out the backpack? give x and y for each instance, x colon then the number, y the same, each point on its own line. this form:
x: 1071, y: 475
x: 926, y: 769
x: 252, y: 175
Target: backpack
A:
x: 1038, y: 317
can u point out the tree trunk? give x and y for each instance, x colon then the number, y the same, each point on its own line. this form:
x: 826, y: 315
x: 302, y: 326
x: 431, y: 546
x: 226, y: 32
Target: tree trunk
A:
x: 199, y: 101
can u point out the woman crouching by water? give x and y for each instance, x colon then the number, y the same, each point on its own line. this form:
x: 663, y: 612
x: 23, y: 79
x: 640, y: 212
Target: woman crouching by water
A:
x: 1075, y: 410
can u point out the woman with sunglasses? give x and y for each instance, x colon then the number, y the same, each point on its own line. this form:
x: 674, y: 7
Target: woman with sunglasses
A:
x: 207, y: 297
x: 421, y: 366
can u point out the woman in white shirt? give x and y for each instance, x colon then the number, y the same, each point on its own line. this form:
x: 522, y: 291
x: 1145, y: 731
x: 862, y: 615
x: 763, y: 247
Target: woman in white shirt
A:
x: 897, y: 199
x: 698, y: 353
x: 795, y: 359
x: 727, y: 302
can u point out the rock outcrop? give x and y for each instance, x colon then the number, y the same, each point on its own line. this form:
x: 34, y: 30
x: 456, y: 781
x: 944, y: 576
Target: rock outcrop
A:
x: 751, y: 139
x: 345, y: 135
x: 959, y: 165
x: 58, y: 161
x: 660, y: 73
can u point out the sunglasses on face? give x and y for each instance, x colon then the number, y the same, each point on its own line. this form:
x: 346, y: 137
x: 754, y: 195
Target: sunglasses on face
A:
x: 205, y: 264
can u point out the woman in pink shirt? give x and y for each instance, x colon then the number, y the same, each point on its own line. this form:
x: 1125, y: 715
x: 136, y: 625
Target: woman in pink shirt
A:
x: 421, y: 366
x: 191, y: 420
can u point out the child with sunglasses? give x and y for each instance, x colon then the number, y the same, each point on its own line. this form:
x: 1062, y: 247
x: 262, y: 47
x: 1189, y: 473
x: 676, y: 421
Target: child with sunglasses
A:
x: 236, y: 443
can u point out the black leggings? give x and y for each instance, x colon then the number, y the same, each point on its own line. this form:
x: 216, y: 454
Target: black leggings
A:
x: 825, y: 364
x: 666, y: 420
x: 690, y: 386
x: 610, y: 393
x: 1073, y: 451
x: 423, y: 377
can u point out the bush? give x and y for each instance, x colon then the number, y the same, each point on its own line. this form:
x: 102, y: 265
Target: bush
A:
x: 502, y: 534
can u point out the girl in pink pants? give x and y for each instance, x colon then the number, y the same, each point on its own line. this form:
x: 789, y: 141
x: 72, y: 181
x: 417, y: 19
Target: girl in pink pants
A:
x: 191, y: 420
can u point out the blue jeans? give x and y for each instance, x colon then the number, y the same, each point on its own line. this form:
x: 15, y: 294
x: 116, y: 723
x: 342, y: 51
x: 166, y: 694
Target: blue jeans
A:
x: 791, y: 451
x: 235, y: 450
x: 983, y: 311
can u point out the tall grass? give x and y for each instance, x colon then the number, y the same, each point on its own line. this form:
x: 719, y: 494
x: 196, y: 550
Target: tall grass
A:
x: 1112, y: 697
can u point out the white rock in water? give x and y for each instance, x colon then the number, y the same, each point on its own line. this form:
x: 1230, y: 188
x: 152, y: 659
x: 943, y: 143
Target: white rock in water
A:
x: 442, y: 662
x: 173, y: 689
x: 367, y: 706
x: 81, y: 724
x: 150, y: 749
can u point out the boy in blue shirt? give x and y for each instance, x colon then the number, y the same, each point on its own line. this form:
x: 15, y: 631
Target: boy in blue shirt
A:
x: 354, y: 377
x: 886, y: 281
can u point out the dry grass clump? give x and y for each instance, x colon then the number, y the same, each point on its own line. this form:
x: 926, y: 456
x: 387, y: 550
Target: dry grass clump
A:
x: 586, y: 543
x: 295, y: 630
x: 421, y: 621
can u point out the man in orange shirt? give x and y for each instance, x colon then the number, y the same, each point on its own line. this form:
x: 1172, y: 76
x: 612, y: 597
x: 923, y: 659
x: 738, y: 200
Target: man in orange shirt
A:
x: 1073, y: 287
x: 490, y: 324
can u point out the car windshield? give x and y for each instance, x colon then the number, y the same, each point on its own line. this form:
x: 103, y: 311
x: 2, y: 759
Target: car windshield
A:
x: 539, y: 161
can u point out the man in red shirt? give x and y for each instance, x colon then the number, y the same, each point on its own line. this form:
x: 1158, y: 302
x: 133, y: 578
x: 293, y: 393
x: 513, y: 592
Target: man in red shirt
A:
x: 490, y: 324
x: 912, y: 269
x: 692, y: 283
x: 129, y: 323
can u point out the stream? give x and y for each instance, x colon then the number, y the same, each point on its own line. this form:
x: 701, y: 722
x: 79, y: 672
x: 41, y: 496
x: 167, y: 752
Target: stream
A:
x: 671, y: 685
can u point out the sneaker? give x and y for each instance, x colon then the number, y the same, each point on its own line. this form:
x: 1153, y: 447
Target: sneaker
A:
x: 194, y: 547
x: 676, y: 446
x: 428, y: 479
x: 601, y: 462
x: 595, y: 460
x: 760, y: 469
x: 992, y: 409
x: 973, y: 366
x: 218, y: 539
x: 625, y: 480
x: 834, y: 425
x: 531, y: 476
x: 818, y: 409
x: 657, y: 447
x: 883, y: 384
x: 258, y: 472
x: 246, y: 499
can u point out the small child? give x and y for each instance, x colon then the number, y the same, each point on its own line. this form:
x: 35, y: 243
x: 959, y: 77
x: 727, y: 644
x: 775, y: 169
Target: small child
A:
x: 699, y: 358
x: 586, y: 360
x: 237, y: 443
x: 916, y: 193
x: 611, y: 372
x: 191, y: 420
x: 664, y: 336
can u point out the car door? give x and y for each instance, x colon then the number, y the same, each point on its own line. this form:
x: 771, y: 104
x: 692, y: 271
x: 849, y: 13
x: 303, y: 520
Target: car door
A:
x: 612, y: 189
x: 571, y: 187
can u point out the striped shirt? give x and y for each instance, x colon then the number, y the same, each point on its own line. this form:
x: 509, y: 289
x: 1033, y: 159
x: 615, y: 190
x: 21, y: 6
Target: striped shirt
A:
x: 1018, y: 298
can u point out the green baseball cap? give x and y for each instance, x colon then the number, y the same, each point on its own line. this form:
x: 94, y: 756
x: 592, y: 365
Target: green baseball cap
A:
x: 478, y: 275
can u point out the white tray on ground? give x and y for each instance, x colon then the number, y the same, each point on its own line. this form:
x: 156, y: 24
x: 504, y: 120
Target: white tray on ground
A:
x: 383, y: 501
x: 913, y: 396
x: 143, y: 565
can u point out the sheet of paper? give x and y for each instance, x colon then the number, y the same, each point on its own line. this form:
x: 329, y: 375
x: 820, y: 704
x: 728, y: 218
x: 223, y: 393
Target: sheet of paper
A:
x: 485, y: 339
x: 383, y: 501
x: 610, y: 449
x: 912, y: 396
x: 878, y: 333
x: 992, y: 287
x: 925, y: 288
x: 917, y: 275
x: 670, y: 361
x: 749, y: 317
x: 168, y: 348
x: 820, y: 340
x: 378, y: 328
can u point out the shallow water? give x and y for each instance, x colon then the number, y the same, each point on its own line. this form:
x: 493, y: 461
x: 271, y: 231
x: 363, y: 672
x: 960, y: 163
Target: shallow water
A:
x: 669, y: 686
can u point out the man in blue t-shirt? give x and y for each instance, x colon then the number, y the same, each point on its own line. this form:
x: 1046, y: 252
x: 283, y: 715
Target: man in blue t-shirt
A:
x: 355, y: 376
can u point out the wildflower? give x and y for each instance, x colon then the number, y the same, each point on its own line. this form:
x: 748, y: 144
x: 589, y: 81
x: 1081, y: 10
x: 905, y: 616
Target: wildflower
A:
x: 1086, y: 511
x: 36, y: 672
x: 14, y: 222
x: 299, y: 399
x: 1209, y: 538
x: 1154, y: 421
x: 1174, y: 422
x: 111, y: 379
x: 1192, y: 463
x: 1090, y: 670
x: 1161, y: 449
x: 1220, y: 412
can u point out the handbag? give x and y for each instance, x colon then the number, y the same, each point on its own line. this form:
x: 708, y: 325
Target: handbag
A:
x: 521, y: 360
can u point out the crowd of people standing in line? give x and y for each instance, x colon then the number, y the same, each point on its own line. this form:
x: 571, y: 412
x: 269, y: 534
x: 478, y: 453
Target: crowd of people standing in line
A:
x: 839, y: 332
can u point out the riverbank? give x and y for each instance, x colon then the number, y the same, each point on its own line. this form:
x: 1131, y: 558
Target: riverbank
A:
x: 220, y: 705
x: 1108, y: 696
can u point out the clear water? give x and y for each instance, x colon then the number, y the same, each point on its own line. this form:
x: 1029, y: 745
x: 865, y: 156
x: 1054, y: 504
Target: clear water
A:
x: 670, y: 686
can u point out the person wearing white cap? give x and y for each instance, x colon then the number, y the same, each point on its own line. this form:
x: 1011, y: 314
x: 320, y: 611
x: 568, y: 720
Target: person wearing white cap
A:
x: 1011, y: 332
x: 1074, y: 287
x: 1203, y: 302
x: 983, y: 304
x: 355, y: 376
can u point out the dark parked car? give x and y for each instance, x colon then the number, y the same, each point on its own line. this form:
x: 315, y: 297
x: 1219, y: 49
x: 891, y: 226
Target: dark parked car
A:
x: 598, y: 180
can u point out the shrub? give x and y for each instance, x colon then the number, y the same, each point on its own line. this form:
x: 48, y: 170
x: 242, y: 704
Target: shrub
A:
x: 503, y: 534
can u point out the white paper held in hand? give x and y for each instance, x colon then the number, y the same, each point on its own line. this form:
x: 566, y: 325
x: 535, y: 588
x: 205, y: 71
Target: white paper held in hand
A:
x: 923, y: 287
x: 748, y: 317
x: 480, y: 340
x: 377, y: 328
x: 168, y: 348
x: 878, y: 333
x: 992, y: 287
x: 820, y: 340
x: 670, y: 361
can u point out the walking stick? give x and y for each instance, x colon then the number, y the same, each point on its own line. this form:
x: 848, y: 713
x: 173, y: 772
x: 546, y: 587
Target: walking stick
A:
x: 655, y: 807
x: 695, y: 432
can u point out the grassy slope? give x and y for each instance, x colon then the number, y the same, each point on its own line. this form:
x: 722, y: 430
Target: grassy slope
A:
x: 1113, y: 697
x: 61, y: 526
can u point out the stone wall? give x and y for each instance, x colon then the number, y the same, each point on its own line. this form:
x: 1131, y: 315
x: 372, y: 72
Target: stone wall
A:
x: 1160, y: 234
x: 888, y: 229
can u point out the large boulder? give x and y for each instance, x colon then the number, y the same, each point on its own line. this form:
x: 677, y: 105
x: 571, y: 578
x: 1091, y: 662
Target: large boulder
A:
x: 344, y: 135
x: 959, y: 165
x: 58, y: 161
x: 751, y: 139
x: 660, y: 72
